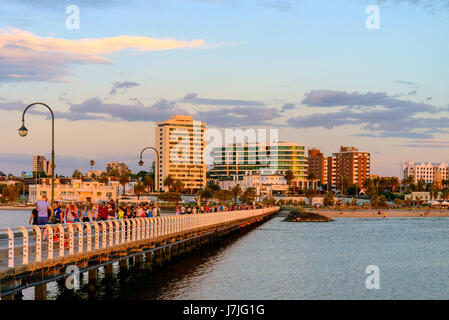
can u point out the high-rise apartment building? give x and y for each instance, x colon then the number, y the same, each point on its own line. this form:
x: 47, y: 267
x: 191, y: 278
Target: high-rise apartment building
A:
x: 317, y: 165
x: 429, y: 172
x: 260, y: 159
x: 180, y: 142
x: 331, y: 172
x: 351, y: 165
x: 40, y: 164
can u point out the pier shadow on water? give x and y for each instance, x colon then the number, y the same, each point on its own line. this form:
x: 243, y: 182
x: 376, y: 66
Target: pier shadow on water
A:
x: 133, y: 283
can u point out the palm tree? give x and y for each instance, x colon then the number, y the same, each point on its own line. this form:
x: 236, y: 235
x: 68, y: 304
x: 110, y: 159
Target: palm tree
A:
x: 205, y: 193
x: 139, y: 188
x: 289, y: 176
x: 124, y: 179
x: 148, y: 182
x: 77, y: 174
x: 168, y: 181
x: 178, y: 186
x: 92, y: 163
x: 236, y: 191
x: 328, y: 199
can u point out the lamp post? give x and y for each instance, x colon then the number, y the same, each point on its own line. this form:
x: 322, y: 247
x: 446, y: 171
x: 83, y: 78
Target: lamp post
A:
x: 156, y: 174
x: 23, y: 131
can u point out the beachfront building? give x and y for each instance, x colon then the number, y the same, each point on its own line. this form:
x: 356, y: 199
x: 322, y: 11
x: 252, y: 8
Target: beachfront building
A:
x: 423, y: 196
x: 72, y: 190
x: 429, y: 172
x: 351, y: 166
x: 180, y: 142
x: 121, y: 168
x: 265, y: 185
x: 317, y: 165
x: 331, y: 172
x: 260, y: 159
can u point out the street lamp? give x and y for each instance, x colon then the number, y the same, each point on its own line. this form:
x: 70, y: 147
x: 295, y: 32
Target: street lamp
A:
x: 156, y: 174
x: 23, y: 131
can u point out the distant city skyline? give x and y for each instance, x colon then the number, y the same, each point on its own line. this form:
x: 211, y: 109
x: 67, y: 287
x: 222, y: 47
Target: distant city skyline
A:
x: 310, y: 68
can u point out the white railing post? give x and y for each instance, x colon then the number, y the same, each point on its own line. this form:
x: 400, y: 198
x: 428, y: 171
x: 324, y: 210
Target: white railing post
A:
x: 152, y: 221
x: 122, y: 223
x: 97, y: 235
x: 61, y: 239
x: 38, y: 233
x: 128, y: 231
x: 51, y: 239
x: 25, y: 245
x: 104, y: 230
x: 117, y: 232
x: 138, y: 228
x: 147, y: 228
x: 134, y: 229
x: 142, y: 228
x: 88, y: 236
x: 10, y: 248
x: 71, y: 235
x: 156, y: 227
x: 80, y: 237
x: 111, y: 233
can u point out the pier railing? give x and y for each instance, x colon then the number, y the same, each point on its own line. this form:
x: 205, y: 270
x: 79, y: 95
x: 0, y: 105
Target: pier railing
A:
x: 20, y: 247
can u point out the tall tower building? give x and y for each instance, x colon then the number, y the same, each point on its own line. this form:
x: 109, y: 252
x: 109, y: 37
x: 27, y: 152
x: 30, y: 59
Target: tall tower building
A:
x: 180, y: 142
x: 317, y: 165
x: 352, y: 165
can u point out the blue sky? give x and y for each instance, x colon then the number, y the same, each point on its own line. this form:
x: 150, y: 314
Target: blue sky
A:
x: 231, y: 64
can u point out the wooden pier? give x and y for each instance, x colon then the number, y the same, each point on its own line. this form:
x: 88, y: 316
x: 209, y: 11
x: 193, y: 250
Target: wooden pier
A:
x: 34, y: 257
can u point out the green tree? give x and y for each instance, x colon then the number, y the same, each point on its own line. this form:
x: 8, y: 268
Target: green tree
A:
x: 10, y: 193
x: 374, y: 200
x: 170, y: 197
x: 328, y: 199
x: 310, y: 194
x: 289, y: 176
x: 168, y: 181
x: 139, y: 188
x: 236, y: 192
x: 148, y: 182
x: 205, y: 193
x: 177, y: 186
x: 223, y: 195
x: 248, y: 196
x: 77, y: 174
x: 124, y: 179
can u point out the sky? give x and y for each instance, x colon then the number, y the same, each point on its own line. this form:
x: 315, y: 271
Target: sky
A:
x: 314, y: 70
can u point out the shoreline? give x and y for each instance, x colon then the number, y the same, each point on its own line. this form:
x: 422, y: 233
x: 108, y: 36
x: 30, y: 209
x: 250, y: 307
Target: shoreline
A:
x: 389, y: 213
x: 16, y: 208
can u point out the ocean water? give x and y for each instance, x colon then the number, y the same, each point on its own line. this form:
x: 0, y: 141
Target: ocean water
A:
x: 280, y: 260
x: 14, y: 218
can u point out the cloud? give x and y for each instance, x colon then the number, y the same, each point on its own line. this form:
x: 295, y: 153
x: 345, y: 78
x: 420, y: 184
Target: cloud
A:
x: 377, y: 113
x: 28, y: 57
x: 426, y: 4
x: 194, y: 99
x: 96, y: 109
x: 288, y: 106
x: 427, y: 143
x: 57, y: 4
x: 238, y: 117
x: 122, y: 85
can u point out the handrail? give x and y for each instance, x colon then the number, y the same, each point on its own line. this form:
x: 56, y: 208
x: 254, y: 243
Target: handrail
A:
x: 114, y: 233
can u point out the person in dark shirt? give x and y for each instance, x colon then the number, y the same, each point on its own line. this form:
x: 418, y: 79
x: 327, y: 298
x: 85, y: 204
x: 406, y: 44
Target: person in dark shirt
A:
x: 59, y: 214
x: 33, y: 217
x: 103, y: 212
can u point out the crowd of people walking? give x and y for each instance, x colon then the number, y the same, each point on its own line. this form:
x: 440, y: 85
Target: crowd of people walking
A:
x: 44, y: 214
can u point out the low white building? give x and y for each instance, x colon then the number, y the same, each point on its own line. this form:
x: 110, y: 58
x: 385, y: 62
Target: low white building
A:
x: 73, y: 190
x: 265, y: 185
x: 425, y: 171
x: 422, y: 196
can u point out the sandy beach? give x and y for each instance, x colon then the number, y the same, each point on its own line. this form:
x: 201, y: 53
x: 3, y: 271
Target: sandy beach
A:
x: 365, y: 213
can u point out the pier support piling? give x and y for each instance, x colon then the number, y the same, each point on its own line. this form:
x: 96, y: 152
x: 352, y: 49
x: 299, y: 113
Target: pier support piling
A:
x: 40, y: 292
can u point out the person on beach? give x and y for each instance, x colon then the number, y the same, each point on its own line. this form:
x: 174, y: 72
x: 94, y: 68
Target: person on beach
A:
x: 42, y: 207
